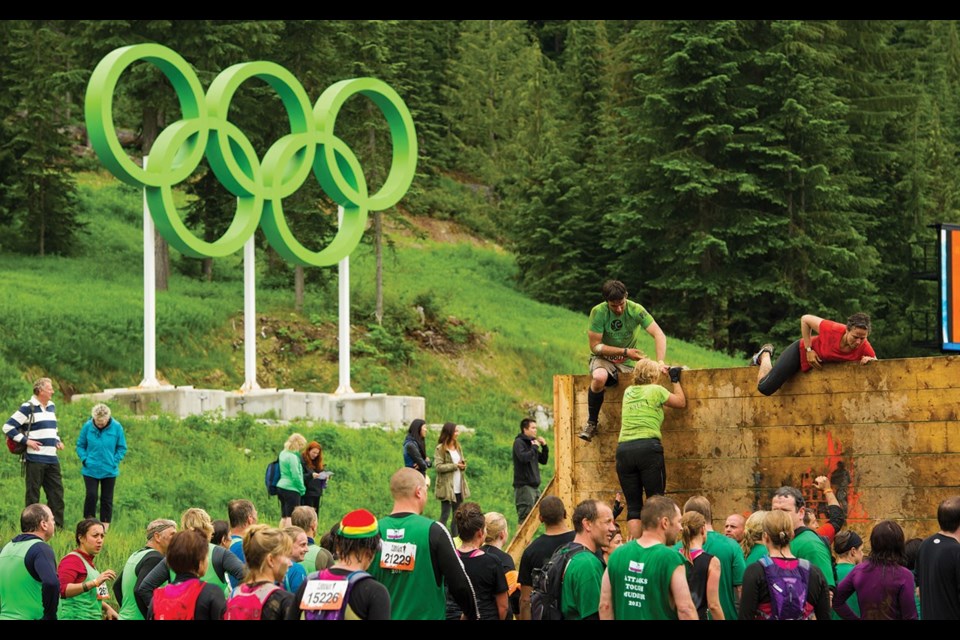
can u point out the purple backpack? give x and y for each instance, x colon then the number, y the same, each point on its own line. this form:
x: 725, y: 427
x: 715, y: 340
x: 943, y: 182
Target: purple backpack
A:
x: 334, y: 614
x: 788, y: 590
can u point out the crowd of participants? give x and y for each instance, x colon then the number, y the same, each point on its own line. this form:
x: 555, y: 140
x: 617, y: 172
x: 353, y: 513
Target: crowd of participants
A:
x: 782, y: 563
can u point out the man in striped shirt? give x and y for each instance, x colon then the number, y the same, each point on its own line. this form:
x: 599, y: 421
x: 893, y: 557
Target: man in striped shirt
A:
x: 35, y: 423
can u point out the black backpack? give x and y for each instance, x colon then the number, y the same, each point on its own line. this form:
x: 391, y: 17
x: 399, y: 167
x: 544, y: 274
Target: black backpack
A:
x: 272, y: 476
x: 548, y: 583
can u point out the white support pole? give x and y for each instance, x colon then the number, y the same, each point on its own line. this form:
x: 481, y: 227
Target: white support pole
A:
x: 149, y: 298
x: 249, y: 317
x: 343, y: 282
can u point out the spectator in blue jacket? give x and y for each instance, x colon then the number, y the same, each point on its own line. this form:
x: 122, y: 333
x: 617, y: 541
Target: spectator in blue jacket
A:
x: 100, y: 447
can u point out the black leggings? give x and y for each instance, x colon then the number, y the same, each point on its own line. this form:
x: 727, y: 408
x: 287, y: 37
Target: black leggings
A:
x: 641, y: 469
x: 289, y: 500
x: 783, y: 369
x: 448, y: 508
x: 106, y: 498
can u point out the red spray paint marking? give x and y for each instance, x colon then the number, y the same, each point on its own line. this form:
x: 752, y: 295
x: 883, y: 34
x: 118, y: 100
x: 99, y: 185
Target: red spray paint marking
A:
x: 835, y: 465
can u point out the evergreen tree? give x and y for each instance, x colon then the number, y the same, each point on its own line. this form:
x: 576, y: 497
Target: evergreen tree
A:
x: 560, y: 206
x: 39, y: 191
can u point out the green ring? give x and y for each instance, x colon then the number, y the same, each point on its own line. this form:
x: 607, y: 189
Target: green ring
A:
x: 205, y: 131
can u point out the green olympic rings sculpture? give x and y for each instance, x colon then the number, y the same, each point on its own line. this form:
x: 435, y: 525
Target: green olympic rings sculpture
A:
x: 260, y: 186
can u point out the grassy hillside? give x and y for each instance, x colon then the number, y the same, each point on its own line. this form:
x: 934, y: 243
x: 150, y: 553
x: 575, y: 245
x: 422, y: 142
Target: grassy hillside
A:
x: 482, y: 354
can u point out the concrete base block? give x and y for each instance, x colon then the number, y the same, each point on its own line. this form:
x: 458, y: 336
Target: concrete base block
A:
x: 353, y: 409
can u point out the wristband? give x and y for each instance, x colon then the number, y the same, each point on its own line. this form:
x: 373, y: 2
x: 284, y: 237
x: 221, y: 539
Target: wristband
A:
x: 624, y: 352
x: 85, y: 588
x: 828, y: 490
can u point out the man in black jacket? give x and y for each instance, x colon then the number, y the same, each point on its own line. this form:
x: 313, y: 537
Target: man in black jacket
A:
x: 529, y: 449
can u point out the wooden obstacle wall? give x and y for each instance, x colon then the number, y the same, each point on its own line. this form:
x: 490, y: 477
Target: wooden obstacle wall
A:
x: 887, y: 434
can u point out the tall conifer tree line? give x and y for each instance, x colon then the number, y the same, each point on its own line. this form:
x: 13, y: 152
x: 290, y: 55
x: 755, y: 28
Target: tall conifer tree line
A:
x: 735, y: 174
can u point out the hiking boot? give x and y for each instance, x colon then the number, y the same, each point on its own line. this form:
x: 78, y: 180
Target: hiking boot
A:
x: 589, y: 430
x: 755, y: 360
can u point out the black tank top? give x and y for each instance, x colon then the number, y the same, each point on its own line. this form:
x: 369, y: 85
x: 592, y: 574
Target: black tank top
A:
x: 697, y: 579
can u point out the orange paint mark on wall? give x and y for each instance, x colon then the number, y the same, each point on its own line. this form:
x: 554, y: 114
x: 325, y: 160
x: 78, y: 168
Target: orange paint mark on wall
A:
x: 841, y: 471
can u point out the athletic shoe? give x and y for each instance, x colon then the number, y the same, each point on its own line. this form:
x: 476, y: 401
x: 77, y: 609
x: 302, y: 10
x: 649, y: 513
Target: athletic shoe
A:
x: 755, y: 360
x: 589, y: 430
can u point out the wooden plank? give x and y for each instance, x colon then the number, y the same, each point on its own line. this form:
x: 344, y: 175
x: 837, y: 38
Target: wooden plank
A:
x: 701, y: 413
x: 564, y: 434
x: 884, y: 438
x: 527, y: 530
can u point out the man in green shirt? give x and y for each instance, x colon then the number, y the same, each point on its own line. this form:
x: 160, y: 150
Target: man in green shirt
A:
x: 29, y: 586
x: 806, y: 543
x: 159, y: 534
x: 612, y: 332
x: 727, y: 551
x: 646, y: 578
x: 417, y: 557
x: 580, y: 597
x: 305, y: 517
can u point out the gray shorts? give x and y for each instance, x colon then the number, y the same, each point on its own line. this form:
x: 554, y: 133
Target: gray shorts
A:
x: 612, y: 368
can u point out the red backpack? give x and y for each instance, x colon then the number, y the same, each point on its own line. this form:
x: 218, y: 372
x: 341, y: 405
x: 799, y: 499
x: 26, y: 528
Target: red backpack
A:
x: 246, y: 603
x: 176, y: 601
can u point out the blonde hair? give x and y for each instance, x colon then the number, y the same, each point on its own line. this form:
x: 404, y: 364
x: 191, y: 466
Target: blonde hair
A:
x: 197, y: 519
x: 752, y: 532
x: 496, y: 523
x: 778, y: 525
x: 691, y: 524
x: 295, y: 442
x: 100, y: 412
x: 646, y: 371
x: 260, y: 542
x: 294, y: 532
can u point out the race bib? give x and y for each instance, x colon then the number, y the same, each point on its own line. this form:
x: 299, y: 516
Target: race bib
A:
x: 398, y: 556
x: 102, y: 593
x: 323, y: 595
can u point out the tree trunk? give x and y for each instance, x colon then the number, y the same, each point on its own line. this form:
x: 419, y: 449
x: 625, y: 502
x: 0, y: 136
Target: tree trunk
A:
x: 161, y: 255
x: 298, y: 287
x: 43, y: 227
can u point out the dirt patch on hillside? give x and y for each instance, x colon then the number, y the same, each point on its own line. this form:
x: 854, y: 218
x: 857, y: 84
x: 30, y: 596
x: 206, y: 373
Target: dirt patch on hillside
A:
x: 425, y: 227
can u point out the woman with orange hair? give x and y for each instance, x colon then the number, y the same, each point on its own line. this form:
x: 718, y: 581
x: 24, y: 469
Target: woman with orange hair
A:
x: 314, y: 477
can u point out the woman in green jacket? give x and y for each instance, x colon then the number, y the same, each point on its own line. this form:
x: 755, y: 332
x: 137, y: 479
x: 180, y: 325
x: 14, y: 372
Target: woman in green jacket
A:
x: 451, y: 470
x: 290, y: 487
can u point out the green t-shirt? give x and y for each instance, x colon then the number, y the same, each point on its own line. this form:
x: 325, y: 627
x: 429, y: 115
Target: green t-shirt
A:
x: 810, y: 546
x: 581, y: 586
x: 642, y: 411
x: 83, y: 606
x: 758, y: 551
x: 129, y: 609
x: 21, y: 596
x: 640, y: 581
x: 843, y: 568
x: 309, y: 561
x: 619, y: 331
x: 732, y: 565
x: 414, y: 592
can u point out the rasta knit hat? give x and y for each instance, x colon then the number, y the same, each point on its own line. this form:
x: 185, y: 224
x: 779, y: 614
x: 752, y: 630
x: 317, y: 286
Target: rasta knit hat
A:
x: 358, y: 524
